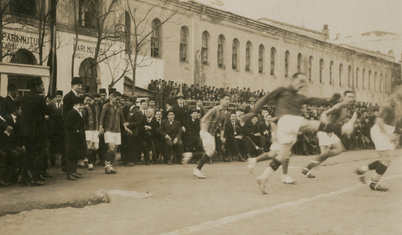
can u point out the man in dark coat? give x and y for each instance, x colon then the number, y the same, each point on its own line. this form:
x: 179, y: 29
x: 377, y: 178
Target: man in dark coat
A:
x: 149, y: 127
x: 8, y: 103
x: 76, y: 146
x: 234, y: 139
x: 134, y: 145
x: 34, y: 115
x: 68, y: 100
x: 265, y: 131
x: 170, y: 129
x: 181, y: 110
x: 56, y: 141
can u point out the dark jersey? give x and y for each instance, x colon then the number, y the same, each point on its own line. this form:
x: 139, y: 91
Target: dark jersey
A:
x: 337, y: 113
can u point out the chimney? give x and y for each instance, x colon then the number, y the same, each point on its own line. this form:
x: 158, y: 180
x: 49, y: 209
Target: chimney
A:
x: 325, y: 30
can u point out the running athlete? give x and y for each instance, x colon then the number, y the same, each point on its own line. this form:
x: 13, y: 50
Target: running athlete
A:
x: 330, y: 144
x: 273, y: 152
x: 383, y: 133
x: 209, y: 125
x: 288, y: 109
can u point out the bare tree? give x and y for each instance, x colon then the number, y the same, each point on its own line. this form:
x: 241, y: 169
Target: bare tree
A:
x: 144, y: 30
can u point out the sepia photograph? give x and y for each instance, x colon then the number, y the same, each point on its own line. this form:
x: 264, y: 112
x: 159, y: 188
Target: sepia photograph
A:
x: 205, y: 117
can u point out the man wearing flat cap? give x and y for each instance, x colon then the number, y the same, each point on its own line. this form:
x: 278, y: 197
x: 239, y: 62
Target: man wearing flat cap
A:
x: 8, y: 103
x: 34, y: 115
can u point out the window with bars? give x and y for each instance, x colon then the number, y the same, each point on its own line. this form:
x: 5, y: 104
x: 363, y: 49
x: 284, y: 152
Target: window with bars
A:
x: 221, y: 43
x: 331, y: 65
x: 248, y: 56
x: 87, y: 13
x: 23, y: 7
x: 156, y: 39
x: 299, y: 62
x: 375, y: 82
x: 310, y: 68
x: 287, y: 56
x: 369, y: 80
x: 273, y: 54
x: 235, y: 52
x: 204, y: 48
x: 350, y: 76
x: 261, y: 52
x: 340, y: 74
x: 321, y: 68
x: 183, y: 43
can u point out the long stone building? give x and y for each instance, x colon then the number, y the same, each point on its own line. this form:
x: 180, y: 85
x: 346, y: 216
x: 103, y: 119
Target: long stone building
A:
x: 184, y: 42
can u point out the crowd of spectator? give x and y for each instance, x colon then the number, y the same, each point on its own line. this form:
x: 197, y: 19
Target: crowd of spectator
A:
x: 36, y: 129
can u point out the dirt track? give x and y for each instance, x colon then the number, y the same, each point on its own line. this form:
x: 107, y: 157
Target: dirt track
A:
x: 227, y: 202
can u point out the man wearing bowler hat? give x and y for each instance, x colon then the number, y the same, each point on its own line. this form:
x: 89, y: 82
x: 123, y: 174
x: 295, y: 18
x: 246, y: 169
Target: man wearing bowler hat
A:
x: 170, y: 129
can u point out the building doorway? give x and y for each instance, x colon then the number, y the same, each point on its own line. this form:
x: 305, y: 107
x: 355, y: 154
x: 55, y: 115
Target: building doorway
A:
x: 22, y: 56
x: 89, y: 73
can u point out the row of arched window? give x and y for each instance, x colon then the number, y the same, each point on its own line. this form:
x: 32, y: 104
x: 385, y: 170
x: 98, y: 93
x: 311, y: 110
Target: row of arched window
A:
x: 205, y: 59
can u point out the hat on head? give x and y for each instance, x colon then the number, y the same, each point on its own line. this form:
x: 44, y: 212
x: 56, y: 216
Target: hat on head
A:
x: 252, y: 99
x: 171, y: 111
x: 132, y: 98
x: 79, y: 100
x: 102, y: 91
x: 59, y: 92
x: 76, y: 81
x: 194, y: 110
x: 180, y: 95
x: 12, y: 87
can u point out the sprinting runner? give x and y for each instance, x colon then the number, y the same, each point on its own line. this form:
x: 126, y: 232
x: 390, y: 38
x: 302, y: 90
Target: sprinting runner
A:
x: 288, y: 109
x: 209, y: 125
x: 330, y: 144
x: 383, y: 134
x: 273, y: 152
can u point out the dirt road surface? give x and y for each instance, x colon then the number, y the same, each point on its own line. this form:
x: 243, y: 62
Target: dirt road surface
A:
x: 227, y: 202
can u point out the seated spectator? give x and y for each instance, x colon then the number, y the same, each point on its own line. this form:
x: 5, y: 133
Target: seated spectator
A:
x: 234, y: 139
x: 148, y: 131
x: 265, y: 131
x: 170, y: 129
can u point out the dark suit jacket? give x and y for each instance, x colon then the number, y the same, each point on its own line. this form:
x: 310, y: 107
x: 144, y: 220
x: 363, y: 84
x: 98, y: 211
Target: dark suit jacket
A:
x: 252, y: 129
x: 153, y: 133
x: 229, y: 130
x: 181, y: 114
x: 174, y: 130
x: 75, y: 141
x: 34, y: 109
x: 6, y: 105
x: 68, y: 102
x: 192, y: 127
x: 56, y: 117
x: 134, y: 119
x: 263, y: 127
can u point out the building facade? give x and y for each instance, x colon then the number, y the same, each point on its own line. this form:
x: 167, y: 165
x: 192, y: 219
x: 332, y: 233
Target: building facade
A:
x: 198, y: 44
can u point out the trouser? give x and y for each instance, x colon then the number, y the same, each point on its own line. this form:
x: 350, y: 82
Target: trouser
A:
x: 102, y: 148
x: 91, y: 155
x: 134, y: 152
x: 36, y: 157
x: 169, y: 148
x: 71, y: 166
x: 244, y: 145
x: 124, y: 147
x: 232, y: 145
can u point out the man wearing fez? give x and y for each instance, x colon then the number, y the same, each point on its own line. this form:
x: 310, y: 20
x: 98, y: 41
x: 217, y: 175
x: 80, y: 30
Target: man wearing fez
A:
x: 34, y: 115
x: 68, y: 100
x: 170, y: 129
x: 56, y: 140
x: 8, y: 103
x: 76, y: 146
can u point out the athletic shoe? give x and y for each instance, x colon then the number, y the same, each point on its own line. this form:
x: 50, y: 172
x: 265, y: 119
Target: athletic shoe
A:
x: 361, y: 175
x: 197, y: 173
x: 91, y: 167
x: 262, y: 183
x: 110, y: 170
x: 186, y: 157
x: 375, y: 185
x: 307, y: 173
x: 286, y: 179
x: 251, y: 164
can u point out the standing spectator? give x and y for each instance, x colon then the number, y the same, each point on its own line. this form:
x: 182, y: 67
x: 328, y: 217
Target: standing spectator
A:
x: 251, y: 106
x: 134, y: 118
x: 181, y: 110
x: 76, y: 147
x: 34, y: 115
x: 8, y: 103
x: 56, y: 141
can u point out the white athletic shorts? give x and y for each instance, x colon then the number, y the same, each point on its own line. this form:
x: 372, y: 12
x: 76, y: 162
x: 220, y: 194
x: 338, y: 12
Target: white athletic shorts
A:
x: 275, y: 146
x: 381, y: 139
x: 208, y: 141
x: 111, y: 137
x: 92, y: 136
x: 288, y: 128
x: 327, y: 139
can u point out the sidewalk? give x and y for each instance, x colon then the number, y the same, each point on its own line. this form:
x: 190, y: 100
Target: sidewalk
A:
x: 58, y: 192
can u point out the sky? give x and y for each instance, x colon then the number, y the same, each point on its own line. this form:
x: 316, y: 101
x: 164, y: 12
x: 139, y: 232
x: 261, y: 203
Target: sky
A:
x: 346, y: 17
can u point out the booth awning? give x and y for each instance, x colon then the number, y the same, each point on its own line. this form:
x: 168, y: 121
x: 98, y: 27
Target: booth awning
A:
x: 25, y: 69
